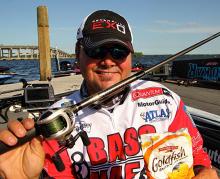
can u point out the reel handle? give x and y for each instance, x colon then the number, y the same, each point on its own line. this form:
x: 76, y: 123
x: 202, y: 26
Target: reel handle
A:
x: 30, y: 135
x: 85, y: 138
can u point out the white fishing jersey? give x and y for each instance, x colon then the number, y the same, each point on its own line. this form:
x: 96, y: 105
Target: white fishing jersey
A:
x: 115, y: 148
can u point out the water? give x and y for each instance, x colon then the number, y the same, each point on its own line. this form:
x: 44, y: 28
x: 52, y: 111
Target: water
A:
x: 29, y: 69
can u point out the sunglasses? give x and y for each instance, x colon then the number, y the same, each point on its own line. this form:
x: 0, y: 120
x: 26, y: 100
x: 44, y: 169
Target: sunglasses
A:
x: 117, y: 52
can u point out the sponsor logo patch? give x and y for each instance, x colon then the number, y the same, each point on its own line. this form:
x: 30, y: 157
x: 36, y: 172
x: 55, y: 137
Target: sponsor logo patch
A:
x: 152, y: 103
x: 108, y: 24
x: 83, y: 126
x: 156, y: 115
x: 149, y: 92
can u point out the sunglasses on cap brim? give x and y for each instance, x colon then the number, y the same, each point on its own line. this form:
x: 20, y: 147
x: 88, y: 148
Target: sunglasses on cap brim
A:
x: 117, y: 52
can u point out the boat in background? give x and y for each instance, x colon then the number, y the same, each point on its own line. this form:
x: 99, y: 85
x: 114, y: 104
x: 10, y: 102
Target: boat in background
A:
x: 4, y: 77
x: 137, y: 67
x: 67, y: 68
x: 205, y: 72
x: 208, y: 125
x: 76, y: 68
x: 4, y: 68
x: 5, y: 74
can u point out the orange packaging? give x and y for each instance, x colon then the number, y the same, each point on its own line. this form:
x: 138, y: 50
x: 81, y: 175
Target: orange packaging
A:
x: 168, y: 155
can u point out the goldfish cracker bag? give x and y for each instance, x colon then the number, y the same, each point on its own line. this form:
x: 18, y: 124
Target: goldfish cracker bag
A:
x: 168, y: 155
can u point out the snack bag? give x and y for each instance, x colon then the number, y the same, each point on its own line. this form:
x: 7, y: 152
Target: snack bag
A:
x: 168, y: 155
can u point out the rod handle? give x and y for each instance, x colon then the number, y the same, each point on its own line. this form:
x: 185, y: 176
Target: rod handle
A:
x: 30, y: 135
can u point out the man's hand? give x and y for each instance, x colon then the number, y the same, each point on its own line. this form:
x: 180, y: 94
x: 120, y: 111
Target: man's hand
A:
x: 25, y: 161
x: 207, y: 173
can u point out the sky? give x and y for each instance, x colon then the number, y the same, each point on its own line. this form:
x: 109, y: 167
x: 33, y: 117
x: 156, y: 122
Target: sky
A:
x: 158, y: 26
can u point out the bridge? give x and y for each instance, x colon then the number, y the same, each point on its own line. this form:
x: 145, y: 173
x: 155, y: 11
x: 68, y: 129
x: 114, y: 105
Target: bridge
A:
x: 20, y: 52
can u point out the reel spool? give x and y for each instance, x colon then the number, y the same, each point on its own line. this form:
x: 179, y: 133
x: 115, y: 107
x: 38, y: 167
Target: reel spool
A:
x: 56, y: 124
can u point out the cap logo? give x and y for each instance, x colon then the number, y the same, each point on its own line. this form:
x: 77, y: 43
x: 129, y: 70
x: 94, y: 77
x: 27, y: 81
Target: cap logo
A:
x: 108, y: 24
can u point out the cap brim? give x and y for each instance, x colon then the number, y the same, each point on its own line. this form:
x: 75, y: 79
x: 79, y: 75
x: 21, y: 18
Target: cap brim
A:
x: 91, y: 43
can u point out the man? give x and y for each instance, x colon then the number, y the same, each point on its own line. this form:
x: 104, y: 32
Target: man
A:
x: 104, y: 52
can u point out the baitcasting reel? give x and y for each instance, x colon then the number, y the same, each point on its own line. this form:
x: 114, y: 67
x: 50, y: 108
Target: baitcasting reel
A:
x: 59, y: 124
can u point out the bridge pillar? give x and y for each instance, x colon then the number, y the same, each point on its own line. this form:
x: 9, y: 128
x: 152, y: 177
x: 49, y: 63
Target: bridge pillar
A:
x: 19, y: 53
x: 32, y: 53
x: 10, y: 53
x: 2, y: 52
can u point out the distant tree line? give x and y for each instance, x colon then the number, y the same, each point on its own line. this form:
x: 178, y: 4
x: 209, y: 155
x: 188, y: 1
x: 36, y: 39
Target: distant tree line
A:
x: 138, y: 54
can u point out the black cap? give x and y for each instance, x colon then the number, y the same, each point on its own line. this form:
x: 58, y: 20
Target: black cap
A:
x: 103, y: 27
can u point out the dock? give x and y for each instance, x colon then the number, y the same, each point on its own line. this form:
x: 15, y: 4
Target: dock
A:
x: 60, y: 85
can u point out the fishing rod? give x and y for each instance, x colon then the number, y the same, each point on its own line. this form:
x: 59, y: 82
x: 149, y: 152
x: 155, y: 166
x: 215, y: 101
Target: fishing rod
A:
x: 59, y: 123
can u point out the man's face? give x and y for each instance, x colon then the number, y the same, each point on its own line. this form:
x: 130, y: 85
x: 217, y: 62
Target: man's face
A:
x: 101, y: 74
